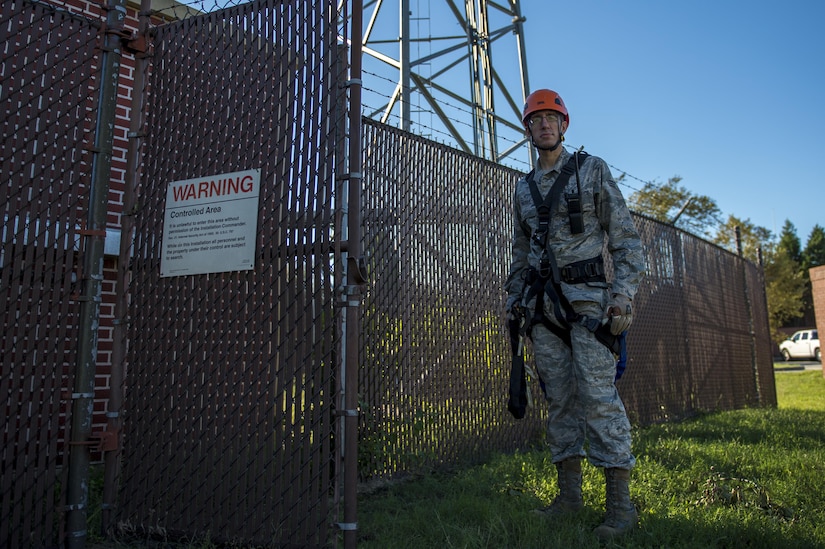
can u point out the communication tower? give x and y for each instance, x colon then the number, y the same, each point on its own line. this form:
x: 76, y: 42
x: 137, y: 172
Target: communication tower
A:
x: 428, y: 67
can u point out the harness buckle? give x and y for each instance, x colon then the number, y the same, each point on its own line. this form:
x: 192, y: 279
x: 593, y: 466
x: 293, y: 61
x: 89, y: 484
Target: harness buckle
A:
x: 588, y: 270
x: 545, y: 270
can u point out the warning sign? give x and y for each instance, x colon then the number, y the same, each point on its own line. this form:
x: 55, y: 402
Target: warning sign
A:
x: 210, y: 224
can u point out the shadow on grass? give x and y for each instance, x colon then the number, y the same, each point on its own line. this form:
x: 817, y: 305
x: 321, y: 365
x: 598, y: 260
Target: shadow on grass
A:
x: 789, y: 368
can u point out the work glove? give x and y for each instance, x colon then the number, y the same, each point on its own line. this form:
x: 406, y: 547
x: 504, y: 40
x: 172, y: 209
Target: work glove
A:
x: 619, y: 313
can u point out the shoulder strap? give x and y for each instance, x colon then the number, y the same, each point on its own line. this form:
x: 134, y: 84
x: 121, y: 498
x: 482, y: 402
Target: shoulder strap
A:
x: 545, y: 204
x: 558, y: 185
x: 574, y: 200
x: 570, y: 167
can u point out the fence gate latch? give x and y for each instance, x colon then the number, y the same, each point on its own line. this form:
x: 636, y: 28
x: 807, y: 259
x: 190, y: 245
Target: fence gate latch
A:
x: 105, y: 441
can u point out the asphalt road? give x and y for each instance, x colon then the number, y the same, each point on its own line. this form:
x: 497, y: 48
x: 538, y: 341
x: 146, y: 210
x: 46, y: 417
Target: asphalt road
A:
x: 796, y: 366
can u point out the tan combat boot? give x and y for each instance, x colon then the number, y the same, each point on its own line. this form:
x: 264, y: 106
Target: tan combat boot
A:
x: 621, y: 515
x: 569, y: 499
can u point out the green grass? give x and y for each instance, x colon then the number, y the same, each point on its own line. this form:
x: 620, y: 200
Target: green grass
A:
x: 747, y: 478
x: 800, y: 390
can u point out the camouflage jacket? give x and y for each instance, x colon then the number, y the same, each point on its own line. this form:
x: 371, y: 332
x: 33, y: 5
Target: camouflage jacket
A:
x: 605, y: 215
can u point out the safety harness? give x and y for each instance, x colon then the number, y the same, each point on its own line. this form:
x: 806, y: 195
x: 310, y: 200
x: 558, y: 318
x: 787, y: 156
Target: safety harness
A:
x: 546, y: 280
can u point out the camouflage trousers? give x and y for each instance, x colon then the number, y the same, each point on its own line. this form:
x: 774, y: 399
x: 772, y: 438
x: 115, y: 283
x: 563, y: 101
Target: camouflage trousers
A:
x: 583, y: 402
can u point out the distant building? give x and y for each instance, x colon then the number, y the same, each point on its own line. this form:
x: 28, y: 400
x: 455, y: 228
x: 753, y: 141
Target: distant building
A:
x: 818, y: 293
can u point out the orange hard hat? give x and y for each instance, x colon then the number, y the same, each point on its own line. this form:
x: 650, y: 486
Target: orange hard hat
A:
x: 543, y: 100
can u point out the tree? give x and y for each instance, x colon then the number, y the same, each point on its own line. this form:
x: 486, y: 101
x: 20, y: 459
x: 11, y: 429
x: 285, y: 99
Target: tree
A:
x: 814, y: 253
x: 674, y: 204
x: 785, y: 282
x: 789, y: 241
x: 785, y: 289
x: 812, y: 256
x: 753, y: 237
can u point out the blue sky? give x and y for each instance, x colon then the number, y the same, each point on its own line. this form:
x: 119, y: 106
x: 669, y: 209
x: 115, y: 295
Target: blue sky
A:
x: 729, y: 95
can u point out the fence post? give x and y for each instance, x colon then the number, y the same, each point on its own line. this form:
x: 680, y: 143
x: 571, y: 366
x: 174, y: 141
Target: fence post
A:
x: 114, y: 421
x: 749, y: 309
x: 354, y: 275
x: 93, y: 238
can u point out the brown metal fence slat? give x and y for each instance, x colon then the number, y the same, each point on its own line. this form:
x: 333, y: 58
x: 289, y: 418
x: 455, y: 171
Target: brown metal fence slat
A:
x: 47, y: 70
x: 252, y: 469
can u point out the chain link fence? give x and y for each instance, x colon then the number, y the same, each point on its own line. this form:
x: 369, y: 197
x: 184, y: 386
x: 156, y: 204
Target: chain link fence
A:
x: 47, y: 81
x: 435, y: 348
x: 232, y: 376
x: 232, y: 381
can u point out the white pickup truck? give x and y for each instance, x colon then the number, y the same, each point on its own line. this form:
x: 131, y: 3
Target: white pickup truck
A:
x: 803, y: 344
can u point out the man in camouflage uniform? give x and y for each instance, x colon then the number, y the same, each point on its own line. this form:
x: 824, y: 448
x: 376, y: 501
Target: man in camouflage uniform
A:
x: 578, y: 375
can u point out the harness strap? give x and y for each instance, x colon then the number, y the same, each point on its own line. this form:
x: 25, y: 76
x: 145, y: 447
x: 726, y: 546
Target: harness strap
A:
x: 535, y: 286
x: 574, y: 202
x: 544, y: 205
x: 587, y: 270
x: 547, y: 278
x: 566, y: 316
